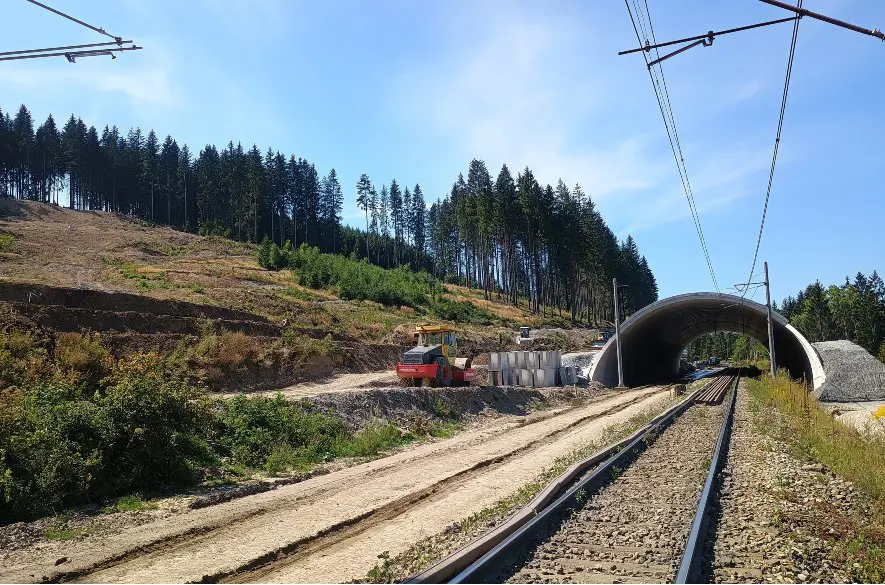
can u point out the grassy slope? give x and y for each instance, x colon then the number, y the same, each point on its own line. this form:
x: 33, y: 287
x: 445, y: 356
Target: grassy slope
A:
x: 59, y: 247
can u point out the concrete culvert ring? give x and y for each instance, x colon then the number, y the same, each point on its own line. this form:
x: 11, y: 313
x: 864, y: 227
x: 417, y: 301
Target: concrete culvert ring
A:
x: 652, y: 339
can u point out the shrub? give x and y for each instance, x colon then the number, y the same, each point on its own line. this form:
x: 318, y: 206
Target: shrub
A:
x: 252, y: 428
x: 461, y: 312
x: 6, y: 242
x: 63, y: 443
x: 21, y: 358
x: 398, y: 287
x: 82, y: 358
x: 228, y: 350
x: 271, y: 256
x: 378, y: 436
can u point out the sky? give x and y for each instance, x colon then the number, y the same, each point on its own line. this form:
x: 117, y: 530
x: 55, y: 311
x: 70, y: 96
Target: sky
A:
x: 415, y: 90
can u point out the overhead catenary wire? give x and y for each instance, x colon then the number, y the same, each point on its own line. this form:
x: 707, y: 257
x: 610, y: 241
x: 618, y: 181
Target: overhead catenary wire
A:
x: 691, y: 199
x: 777, y: 142
x: 117, y: 39
x: 662, y: 95
x: 72, y: 52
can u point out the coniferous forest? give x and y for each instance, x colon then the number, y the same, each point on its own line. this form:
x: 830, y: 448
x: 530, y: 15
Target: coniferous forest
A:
x: 511, y: 236
x: 854, y: 311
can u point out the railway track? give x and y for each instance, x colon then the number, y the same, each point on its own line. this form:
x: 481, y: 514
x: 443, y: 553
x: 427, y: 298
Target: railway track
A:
x: 640, y: 516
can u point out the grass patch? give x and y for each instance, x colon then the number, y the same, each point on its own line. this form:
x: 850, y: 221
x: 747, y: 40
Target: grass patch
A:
x: 144, y: 281
x: 812, y: 433
x: 6, y: 242
x: 132, y: 503
x: 62, y: 534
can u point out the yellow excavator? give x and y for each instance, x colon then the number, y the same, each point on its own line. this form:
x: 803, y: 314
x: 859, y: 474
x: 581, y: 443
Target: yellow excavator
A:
x: 435, y: 359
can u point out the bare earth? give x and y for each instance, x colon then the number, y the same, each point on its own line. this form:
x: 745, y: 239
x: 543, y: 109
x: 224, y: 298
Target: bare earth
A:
x: 339, y: 383
x: 331, y: 528
x: 858, y: 415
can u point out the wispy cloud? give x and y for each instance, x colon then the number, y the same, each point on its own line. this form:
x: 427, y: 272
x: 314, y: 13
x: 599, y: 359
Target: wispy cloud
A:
x: 141, y: 84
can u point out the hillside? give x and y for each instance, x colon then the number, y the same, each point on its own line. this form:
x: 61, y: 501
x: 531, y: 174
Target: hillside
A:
x: 146, y: 287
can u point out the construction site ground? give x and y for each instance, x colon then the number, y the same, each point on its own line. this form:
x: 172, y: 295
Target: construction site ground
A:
x: 330, y: 527
x: 335, y: 384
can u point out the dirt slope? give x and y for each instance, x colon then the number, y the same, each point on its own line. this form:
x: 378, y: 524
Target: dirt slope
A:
x: 349, y: 516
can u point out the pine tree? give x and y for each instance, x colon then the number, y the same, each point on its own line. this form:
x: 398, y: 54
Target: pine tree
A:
x: 363, y: 199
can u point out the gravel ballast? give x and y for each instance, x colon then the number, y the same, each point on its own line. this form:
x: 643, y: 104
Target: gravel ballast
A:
x: 852, y: 373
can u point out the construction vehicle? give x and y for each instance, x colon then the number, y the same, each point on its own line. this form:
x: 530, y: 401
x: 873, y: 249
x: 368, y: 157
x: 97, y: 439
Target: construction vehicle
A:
x: 435, y: 359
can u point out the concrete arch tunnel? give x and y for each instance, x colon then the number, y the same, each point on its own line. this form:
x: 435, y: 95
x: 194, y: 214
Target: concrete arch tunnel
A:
x: 652, y: 339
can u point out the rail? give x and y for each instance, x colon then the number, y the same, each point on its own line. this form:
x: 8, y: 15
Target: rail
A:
x: 691, y: 566
x: 482, y: 559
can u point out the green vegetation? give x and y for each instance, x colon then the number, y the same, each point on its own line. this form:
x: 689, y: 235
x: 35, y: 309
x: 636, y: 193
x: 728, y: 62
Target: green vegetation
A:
x: 131, y: 503
x: 854, y: 311
x: 813, y: 434
x: 6, y: 242
x: 360, y: 281
x: 54, y: 533
x: 78, y: 426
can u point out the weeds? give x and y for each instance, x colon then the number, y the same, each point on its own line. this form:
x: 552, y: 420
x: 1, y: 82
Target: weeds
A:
x: 132, y: 503
x: 62, y: 534
x: 6, y: 242
x: 382, y: 572
x: 812, y: 433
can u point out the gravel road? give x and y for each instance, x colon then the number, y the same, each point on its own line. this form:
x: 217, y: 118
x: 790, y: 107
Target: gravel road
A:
x: 339, y: 383
x: 331, y: 528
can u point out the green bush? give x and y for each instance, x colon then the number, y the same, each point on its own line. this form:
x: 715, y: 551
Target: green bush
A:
x: 376, y: 437
x: 6, y: 242
x: 398, y: 287
x: 252, y: 428
x: 460, y: 312
x: 273, y: 257
x: 21, y: 358
x: 64, y: 443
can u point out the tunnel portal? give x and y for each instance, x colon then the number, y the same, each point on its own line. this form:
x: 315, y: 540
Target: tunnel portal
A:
x: 652, y: 339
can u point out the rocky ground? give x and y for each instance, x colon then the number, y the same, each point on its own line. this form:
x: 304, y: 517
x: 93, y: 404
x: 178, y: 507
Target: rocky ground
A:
x: 635, y: 529
x: 771, y: 508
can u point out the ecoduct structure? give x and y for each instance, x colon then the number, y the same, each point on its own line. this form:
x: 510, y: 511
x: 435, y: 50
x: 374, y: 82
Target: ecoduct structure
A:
x: 652, y: 339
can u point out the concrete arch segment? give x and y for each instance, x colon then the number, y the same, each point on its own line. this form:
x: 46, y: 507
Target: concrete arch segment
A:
x: 652, y: 339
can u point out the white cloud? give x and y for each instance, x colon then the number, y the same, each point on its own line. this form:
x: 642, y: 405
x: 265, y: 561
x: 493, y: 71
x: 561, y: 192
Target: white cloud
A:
x: 141, y: 84
x: 515, y: 98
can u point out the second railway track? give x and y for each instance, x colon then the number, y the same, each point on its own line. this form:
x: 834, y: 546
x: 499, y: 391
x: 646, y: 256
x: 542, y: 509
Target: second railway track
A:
x: 639, y: 517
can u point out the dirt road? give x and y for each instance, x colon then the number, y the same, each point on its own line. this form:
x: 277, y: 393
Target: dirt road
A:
x: 331, y: 528
x: 340, y: 383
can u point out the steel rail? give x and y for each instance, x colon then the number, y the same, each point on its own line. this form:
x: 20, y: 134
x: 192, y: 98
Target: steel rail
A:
x: 489, y: 565
x: 692, y: 559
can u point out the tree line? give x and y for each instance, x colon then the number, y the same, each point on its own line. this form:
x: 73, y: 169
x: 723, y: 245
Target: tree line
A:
x: 511, y: 237
x: 854, y: 310
x: 514, y: 238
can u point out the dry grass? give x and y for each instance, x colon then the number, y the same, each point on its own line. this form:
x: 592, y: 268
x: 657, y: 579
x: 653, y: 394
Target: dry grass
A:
x: 814, y: 434
x: 60, y: 247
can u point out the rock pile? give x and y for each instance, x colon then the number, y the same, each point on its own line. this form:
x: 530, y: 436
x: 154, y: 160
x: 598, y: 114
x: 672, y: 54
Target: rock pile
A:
x: 852, y: 373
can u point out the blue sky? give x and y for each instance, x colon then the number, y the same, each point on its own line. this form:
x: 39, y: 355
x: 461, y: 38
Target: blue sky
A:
x: 414, y: 90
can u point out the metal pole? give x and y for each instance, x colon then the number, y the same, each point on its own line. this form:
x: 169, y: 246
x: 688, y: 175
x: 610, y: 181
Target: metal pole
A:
x: 618, y: 335
x: 770, y: 323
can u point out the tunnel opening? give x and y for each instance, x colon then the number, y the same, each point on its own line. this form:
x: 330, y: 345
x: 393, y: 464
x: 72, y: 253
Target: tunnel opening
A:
x: 652, y: 339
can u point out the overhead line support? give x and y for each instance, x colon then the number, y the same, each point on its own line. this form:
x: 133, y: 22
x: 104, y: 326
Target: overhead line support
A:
x: 816, y: 15
x: 72, y: 55
x: 709, y: 37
